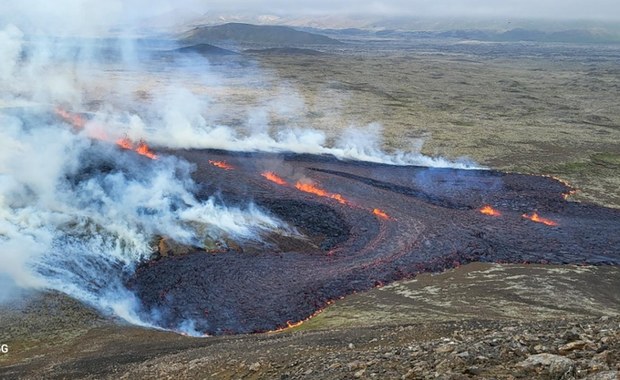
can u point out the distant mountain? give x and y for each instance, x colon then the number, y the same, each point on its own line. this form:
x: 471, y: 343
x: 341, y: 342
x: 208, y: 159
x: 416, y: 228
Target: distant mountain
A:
x: 205, y: 49
x: 513, y: 35
x: 237, y: 33
x: 575, y: 35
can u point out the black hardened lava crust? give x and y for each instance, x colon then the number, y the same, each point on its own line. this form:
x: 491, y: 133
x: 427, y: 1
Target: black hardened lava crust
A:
x: 434, y: 222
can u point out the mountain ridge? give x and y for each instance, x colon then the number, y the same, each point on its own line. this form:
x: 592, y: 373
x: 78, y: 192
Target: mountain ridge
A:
x: 241, y: 33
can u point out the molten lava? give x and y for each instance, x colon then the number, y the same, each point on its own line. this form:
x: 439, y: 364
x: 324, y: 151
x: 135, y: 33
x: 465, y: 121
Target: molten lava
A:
x: 144, y: 150
x: 309, y: 188
x: 569, y: 194
x: 78, y: 122
x: 290, y: 325
x: 74, y: 119
x: 488, y: 210
x: 538, y: 219
x: 273, y: 177
x: 221, y: 164
x: 380, y: 214
x: 125, y: 143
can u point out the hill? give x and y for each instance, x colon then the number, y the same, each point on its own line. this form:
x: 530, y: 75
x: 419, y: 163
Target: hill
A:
x: 284, y: 51
x: 205, y: 49
x: 238, y: 33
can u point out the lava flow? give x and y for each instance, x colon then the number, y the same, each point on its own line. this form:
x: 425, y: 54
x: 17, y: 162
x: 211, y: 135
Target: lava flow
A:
x: 74, y: 119
x: 312, y: 189
x: 488, y: 210
x: 221, y: 164
x: 538, y: 219
x: 344, y: 248
x: 380, y: 214
x: 273, y: 177
x: 142, y: 148
x: 79, y: 123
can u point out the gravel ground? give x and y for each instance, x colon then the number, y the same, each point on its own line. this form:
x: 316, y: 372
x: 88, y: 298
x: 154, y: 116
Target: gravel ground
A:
x: 464, y: 323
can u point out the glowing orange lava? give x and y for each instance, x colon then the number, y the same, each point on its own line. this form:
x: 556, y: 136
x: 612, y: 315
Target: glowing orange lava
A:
x: 488, y: 210
x: 144, y: 150
x: 72, y: 118
x: 273, y: 177
x: 221, y: 164
x: 309, y: 188
x: 79, y: 122
x: 125, y: 143
x: 569, y: 193
x: 290, y: 325
x: 538, y: 219
x: 380, y: 214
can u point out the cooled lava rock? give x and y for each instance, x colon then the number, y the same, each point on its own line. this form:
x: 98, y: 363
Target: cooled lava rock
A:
x: 364, y: 225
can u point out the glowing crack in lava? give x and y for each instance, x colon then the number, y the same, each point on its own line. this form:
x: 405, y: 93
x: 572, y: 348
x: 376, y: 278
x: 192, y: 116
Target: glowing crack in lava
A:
x: 534, y: 217
x: 344, y: 248
x: 273, y: 177
x: 221, y: 164
x: 312, y: 189
x: 141, y: 148
x: 79, y: 123
x: 488, y: 210
x: 380, y: 214
x: 74, y: 119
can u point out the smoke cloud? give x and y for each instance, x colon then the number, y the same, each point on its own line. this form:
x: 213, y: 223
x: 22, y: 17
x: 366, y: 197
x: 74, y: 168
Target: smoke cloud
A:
x: 76, y: 213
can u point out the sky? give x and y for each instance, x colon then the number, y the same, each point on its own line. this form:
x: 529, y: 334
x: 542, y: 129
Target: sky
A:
x: 74, y: 15
x: 561, y: 9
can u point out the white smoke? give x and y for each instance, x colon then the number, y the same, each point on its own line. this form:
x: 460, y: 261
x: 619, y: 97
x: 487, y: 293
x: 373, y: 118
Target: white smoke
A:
x: 177, y: 120
x: 77, y: 214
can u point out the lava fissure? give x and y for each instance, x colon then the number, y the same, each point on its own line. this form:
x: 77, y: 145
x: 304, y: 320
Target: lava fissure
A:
x: 409, y: 191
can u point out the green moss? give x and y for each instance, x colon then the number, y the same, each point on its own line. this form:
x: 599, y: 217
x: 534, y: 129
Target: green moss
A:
x: 606, y: 159
x: 463, y: 123
x: 571, y: 167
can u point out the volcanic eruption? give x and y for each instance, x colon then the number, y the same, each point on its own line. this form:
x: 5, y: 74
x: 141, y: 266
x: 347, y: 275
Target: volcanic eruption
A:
x: 350, y: 243
x: 152, y: 212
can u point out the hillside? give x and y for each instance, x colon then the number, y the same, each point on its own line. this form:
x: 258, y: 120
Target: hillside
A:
x: 205, y: 49
x: 237, y: 33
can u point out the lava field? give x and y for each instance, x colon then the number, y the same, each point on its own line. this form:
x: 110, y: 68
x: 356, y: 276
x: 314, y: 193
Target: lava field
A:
x: 361, y: 225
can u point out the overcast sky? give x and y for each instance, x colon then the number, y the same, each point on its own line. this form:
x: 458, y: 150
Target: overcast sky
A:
x: 564, y: 9
x: 73, y: 15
